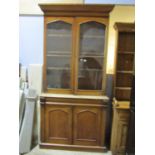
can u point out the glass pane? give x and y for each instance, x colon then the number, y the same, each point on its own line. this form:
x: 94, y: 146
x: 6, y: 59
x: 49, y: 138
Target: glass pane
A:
x: 59, y: 44
x: 92, y: 38
x: 58, y: 78
x: 58, y: 47
x: 58, y: 61
x: 91, y: 56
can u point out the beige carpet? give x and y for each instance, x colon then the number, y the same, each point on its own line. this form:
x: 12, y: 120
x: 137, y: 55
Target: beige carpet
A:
x: 38, y: 151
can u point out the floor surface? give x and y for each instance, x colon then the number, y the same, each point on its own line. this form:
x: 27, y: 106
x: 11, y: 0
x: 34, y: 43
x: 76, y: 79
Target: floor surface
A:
x: 38, y: 151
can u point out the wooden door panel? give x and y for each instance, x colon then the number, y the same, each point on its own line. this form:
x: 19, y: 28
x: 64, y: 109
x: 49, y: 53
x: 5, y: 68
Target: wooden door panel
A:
x: 86, y: 126
x: 119, y: 131
x: 58, y: 125
x: 122, y: 130
x: 122, y: 135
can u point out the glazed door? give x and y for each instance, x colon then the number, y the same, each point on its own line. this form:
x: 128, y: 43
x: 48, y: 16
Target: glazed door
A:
x: 91, y: 52
x: 86, y: 126
x: 58, y: 68
x: 58, y: 124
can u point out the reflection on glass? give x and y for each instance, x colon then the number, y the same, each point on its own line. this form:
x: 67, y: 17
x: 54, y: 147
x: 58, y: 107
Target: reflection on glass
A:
x: 58, y: 61
x: 58, y: 54
x: 91, y: 56
x: 58, y: 78
x: 90, y: 74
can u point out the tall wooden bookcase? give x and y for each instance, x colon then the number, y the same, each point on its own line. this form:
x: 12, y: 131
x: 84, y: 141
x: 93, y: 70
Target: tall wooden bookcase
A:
x: 124, y: 62
x: 73, y: 102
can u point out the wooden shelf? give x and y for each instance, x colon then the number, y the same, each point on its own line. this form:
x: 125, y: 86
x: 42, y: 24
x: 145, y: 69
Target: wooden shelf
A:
x: 126, y: 53
x: 93, y: 37
x: 59, y: 35
x: 123, y: 88
x: 57, y: 68
x: 128, y: 72
x: 91, y: 53
x: 57, y: 55
x: 91, y: 56
x: 97, y: 70
x: 59, y: 52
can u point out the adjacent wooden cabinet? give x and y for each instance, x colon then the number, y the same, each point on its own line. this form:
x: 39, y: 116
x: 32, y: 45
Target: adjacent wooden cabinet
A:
x: 124, y: 71
x: 124, y: 68
x: 75, y: 39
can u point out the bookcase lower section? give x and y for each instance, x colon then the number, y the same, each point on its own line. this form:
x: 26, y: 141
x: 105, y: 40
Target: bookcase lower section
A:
x: 74, y: 124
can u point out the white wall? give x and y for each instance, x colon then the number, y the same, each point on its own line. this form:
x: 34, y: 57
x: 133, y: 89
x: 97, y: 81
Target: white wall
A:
x: 30, y: 40
x: 30, y: 7
x: 109, y: 1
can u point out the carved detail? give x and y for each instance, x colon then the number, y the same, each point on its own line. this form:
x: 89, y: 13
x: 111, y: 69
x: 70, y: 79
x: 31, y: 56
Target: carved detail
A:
x: 60, y: 110
x: 82, y: 111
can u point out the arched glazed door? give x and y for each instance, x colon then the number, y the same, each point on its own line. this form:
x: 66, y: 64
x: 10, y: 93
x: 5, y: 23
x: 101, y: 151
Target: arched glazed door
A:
x: 58, y: 54
x: 91, y: 52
